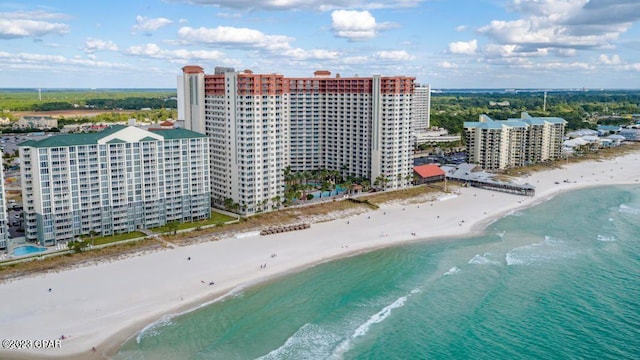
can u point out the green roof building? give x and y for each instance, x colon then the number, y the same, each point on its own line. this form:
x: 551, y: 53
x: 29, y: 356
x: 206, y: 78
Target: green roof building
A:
x: 118, y: 180
x: 497, y: 145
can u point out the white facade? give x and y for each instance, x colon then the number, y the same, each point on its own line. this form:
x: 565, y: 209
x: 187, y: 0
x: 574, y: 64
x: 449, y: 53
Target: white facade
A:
x: 115, y: 181
x: 496, y: 145
x: 261, y: 124
x: 421, y: 108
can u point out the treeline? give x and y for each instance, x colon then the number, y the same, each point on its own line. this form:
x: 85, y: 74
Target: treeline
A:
x: 107, y: 99
x: 132, y: 103
x: 155, y: 116
x: 580, y: 109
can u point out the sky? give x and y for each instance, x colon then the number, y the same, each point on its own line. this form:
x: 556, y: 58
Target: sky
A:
x: 445, y: 43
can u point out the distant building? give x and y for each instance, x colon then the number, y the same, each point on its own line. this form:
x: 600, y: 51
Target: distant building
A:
x: 631, y: 132
x: 421, y: 108
x: 114, y: 181
x: 604, y: 130
x: 37, y: 122
x: 496, y: 145
x: 434, y: 135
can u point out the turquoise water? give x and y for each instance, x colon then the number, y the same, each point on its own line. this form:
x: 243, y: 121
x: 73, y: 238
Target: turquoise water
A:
x: 27, y: 250
x: 321, y: 194
x: 557, y: 281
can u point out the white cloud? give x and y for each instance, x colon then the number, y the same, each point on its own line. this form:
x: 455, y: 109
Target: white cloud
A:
x: 355, y: 60
x: 149, y: 25
x: 461, y: 28
x: 447, y: 65
x: 635, y: 67
x: 35, y: 61
x: 463, y: 47
x: 20, y: 24
x: 155, y: 52
x: 93, y: 45
x: 234, y: 37
x: 353, y: 25
x: 568, y: 24
x: 397, y: 55
x: 320, y: 5
x: 225, y: 15
x: 606, y: 60
x: 316, y: 54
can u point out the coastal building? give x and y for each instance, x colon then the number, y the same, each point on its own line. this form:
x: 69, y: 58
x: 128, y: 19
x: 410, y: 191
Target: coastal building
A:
x: 4, y: 220
x: 496, y: 145
x: 37, y: 122
x: 434, y: 136
x: 631, y: 132
x: 421, y: 111
x: 428, y: 173
x: 118, y: 180
x: 262, y: 124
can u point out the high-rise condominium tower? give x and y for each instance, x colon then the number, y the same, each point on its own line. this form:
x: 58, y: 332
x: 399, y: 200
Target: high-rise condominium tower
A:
x: 260, y: 124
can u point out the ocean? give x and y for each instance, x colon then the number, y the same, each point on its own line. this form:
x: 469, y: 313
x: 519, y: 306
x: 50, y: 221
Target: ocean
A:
x: 560, y: 280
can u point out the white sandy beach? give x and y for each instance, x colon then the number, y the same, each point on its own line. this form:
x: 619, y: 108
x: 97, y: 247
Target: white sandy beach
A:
x: 103, y: 305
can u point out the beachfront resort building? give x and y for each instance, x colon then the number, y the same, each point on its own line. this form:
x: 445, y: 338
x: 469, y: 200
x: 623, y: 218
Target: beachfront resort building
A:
x: 496, y: 145
x: 118, y: 180
x: 421, y: 108
x: 262, y: 124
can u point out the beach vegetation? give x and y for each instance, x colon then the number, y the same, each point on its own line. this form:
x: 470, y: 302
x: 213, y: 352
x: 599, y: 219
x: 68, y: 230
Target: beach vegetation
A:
x: 216, y: 219
x: 101, y: 240
x: 77, y: 246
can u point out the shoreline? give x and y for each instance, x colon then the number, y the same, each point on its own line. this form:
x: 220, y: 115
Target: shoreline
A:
x: 106, y: 304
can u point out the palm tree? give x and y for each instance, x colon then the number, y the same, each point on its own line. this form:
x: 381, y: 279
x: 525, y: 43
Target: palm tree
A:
x: 172, y: 226
x: 92, y: 233
x: 276, y: 201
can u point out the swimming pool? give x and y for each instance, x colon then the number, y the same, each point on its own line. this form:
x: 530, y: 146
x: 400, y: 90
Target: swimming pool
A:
x: 27, y: 250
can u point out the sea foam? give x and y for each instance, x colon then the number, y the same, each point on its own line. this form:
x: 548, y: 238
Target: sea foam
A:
x: 605, y: 238
x: 628, y: 209
x: 363, y: 329
x: 543, y: 252
x: 308, y: 342
x: 483, y: 260
x: 454, y: 270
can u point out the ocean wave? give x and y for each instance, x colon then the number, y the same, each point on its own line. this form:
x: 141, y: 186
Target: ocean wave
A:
x: 628, y: 209
x: 515, y: 213
x: 605, y: 238
x: 153, y: 329
x: 308, y: 342
x: 363, y: 329
x: 501, y: 235
x: 543, y: 252
x: 483, y: 260
x: 454, y: 270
